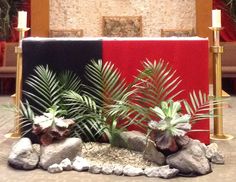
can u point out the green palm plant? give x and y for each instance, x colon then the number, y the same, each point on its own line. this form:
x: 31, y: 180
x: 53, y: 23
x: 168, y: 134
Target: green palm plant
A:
x: 48, y: 87
x: 107, y: 89
x: 109, y: 105
x: 155, y: 83
x: 156, y: 88
x: 48, y: 94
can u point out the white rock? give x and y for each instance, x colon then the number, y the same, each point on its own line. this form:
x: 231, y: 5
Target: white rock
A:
x: 55, y: 168
x: 66, y: 164
x: 191, y: 160
x: 80, y: 164
x: 218, y: 158
x: 152, y: 171
x: 23, y: 155
x: 211, y: 150
x: 166, y: 172
x: 129, y: 170
x: 107, y: 169
x: 162, y: 172
x: 214, y: 155
x: 118, y: 169
x: 95, y: 168
x: 56, y: 152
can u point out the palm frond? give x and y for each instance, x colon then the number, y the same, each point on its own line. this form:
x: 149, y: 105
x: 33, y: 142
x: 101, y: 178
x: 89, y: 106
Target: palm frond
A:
x: 89, y: 122
x: 88, y: 129
x: 45, y: 86
x: 79, y: 104
x: 69, y: 81
x: 200, y: 107
x: 106, y: 81
x: 155, y: 83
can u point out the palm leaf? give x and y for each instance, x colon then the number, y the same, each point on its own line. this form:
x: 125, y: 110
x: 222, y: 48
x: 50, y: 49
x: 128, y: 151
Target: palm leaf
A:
x: 200, y: 106
x: 89, y: 123
x: 157, y: 82
x: 45, y: 86
x: 106, y: 81
x: 69, y: 81
x: 80, y: 104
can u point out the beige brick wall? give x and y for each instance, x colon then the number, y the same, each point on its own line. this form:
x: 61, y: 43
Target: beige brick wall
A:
x: 156, y: 14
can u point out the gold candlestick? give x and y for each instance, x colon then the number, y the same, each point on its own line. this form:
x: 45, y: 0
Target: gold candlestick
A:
x: 217, y: 51
x: 17, y: 96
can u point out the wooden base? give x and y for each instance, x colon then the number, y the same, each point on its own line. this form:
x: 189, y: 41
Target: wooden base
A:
x: 221, y: 137
x: 12, y: 135
x: 225, y: 94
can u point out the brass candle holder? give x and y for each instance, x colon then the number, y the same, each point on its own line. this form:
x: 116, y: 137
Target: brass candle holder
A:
x: 17, y: 96
x: 217, y: 51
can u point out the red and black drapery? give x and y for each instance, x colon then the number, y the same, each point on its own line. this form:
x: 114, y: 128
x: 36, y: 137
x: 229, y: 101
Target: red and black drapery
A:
x: 188, y: 57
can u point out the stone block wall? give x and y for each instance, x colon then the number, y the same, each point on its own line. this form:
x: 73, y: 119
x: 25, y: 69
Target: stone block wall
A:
x: 156, y: 14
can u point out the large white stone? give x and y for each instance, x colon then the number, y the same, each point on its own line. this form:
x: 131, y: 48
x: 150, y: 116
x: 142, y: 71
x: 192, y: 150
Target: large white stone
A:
x: 107, y: 169
x: 153, y: 155
x: 161, y: 172
x: 23, y: 155
x: 95, y: 168
x: 56, y: 152
x: 118, y: 169
x: 191, y: 160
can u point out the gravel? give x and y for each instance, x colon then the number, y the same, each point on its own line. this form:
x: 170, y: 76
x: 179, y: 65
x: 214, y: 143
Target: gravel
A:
x: 105, y: 153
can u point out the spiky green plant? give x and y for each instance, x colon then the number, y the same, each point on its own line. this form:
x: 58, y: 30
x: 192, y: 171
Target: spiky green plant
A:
x: 157, y: 83
x: 49, y: 90
x: 109, y: 105
x: 107, y: 89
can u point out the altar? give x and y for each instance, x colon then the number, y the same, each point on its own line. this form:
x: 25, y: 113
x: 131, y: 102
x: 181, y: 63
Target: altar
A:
x: 188, y: 56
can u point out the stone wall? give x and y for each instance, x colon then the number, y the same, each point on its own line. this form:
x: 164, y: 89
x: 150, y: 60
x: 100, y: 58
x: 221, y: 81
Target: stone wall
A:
x: 156, y: 14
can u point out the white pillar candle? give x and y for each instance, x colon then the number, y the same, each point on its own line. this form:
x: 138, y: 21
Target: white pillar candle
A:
x: 216, y: 18
x: 22, y: 19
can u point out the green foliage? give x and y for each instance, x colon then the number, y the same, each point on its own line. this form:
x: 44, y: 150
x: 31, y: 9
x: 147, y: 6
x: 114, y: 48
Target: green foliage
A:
x: 157, y: 82
x: 172, y: 121
x: 89, y: 121
x: 47, y: 95
x: 200, y: 106
x: 107, y: 90
x: 48, y: 88
x: 108, y: 105
x: 172, y: 126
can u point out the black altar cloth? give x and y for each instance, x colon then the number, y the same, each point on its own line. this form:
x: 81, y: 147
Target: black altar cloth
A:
x: 59, y: 54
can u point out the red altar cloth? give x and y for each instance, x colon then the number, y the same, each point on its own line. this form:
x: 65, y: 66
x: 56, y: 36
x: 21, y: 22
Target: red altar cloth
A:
x: 189, y: 56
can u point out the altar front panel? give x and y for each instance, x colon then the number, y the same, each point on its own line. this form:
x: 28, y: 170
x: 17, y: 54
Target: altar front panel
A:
x: 188, y: 57
x: 59, y: 55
